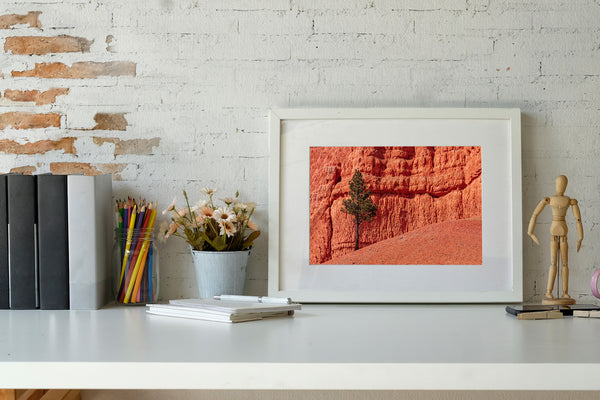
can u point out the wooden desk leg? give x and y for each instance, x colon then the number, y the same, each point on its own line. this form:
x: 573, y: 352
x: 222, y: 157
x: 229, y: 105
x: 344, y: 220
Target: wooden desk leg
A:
x: 40, y: 394
x: 31, y: 394
x: 7, y: 394
x: 62, y: 394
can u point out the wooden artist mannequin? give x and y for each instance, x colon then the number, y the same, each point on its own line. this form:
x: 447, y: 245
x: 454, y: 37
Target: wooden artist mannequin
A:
x: 558, y: 238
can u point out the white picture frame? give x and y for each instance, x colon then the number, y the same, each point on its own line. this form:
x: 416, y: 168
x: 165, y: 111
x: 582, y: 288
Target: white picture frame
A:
x: 294, y: 131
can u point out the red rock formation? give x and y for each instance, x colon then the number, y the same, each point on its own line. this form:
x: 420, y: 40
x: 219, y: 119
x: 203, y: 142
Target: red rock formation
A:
x: 412, y: 186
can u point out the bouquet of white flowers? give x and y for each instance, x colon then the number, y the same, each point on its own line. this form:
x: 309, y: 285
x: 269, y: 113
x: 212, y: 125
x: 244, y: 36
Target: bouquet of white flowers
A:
x: 206, y: 227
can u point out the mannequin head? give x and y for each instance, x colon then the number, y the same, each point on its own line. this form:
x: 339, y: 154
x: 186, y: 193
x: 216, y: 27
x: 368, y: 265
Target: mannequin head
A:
x: 561, y: 184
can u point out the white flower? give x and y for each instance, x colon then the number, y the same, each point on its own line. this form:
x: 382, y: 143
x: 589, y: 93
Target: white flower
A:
x: 206, y: 212
x: 250, y: 206
x: 208, y: 191
x: 171, y: 207
x: 182, y: 212
x: 162, y: 232
x: 252, y: 225
x: 228, y: 200
x: 225, y: 214
x: 199, y: 205
x: 244, y: 208
x: 227, y: 227
x: 200, y: 219
x: 166, y: 230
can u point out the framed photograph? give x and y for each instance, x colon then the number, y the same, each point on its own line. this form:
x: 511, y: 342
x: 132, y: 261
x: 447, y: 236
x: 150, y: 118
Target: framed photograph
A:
x: 395, y: 205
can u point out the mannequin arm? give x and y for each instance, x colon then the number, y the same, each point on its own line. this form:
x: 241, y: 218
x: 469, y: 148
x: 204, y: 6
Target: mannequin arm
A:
x: 538, y: 210
x: 577, y: 215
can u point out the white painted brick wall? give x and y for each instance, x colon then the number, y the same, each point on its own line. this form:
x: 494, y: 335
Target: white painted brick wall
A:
x: 209, y: 71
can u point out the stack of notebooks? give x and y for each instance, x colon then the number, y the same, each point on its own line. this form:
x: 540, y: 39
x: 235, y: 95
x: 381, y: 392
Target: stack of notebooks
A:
x: 544, y: 311
x: 55, y: 241
x: 222, y: 310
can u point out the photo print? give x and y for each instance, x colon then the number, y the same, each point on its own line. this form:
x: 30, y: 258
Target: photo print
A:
x: 395, y: 205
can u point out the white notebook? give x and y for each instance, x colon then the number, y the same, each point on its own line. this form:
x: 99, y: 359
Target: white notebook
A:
x: 221, y: 310
x: 234, y: 307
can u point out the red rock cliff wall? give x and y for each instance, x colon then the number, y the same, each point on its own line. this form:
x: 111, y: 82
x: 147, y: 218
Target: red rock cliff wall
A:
x: 412, y: 186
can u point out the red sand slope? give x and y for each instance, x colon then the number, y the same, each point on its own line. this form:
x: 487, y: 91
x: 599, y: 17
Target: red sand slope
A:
x: 447, y: 243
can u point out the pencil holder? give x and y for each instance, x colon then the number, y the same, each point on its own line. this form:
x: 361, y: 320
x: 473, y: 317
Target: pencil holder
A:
x: 135, y: 266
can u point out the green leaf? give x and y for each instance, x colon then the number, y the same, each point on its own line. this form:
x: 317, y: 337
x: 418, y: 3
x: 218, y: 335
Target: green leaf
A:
x: 250, y: 239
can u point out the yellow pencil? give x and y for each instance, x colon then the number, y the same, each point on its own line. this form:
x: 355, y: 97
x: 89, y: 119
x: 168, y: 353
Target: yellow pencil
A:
x: 143, y: 255
x: 139, y: 260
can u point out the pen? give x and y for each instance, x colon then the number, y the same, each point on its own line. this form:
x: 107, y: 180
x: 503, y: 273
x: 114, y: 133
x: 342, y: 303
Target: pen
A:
x: 255, y: 299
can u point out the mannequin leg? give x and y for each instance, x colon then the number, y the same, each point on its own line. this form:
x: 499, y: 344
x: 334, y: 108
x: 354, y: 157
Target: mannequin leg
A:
x: 564, y: 260
x: 553, y: 266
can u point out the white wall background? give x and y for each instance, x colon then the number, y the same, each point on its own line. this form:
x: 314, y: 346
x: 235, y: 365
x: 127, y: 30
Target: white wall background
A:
x: 208, y: 71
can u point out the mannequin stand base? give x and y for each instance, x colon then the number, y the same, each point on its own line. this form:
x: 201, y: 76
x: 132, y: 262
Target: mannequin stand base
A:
x: 558, y: 302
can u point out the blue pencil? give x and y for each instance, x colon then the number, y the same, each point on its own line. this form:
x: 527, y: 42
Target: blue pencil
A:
x: 126, y: 217
x: 150, y: 297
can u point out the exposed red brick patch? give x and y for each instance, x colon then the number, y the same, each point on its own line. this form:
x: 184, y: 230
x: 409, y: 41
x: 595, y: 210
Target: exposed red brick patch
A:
x: 25, y: 170
x: 110, y: 122
x: 79, y: 70
x: 25, y: 120
x: 7, y: 21
x: 133, y: 146
x: 113, y: 169
x: 47, y: 97
x: 37, y: 45
x: 40, y: 147
x: 64, y: 168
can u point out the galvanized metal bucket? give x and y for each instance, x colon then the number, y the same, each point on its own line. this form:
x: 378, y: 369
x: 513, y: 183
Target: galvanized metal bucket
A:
x: 220, y: 272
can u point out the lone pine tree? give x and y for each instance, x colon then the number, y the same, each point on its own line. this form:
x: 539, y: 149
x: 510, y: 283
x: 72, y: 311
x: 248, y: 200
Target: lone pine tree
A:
x: 359, y: 204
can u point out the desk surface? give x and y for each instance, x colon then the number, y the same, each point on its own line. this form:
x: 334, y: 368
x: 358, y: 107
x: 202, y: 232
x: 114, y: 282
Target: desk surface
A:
x: 415, y: 347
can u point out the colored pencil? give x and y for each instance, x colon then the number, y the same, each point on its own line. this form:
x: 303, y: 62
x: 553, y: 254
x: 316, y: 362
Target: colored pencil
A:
x: 150, y: 295
x: 128, y: 244
x: 135, y: 224
x: 146, y: 263
x: 136, y: 276
x: 126, y: 217
x: 136, y: 245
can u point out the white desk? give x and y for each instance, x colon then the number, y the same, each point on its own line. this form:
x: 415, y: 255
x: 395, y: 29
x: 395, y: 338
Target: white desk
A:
x: 447, y: 347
